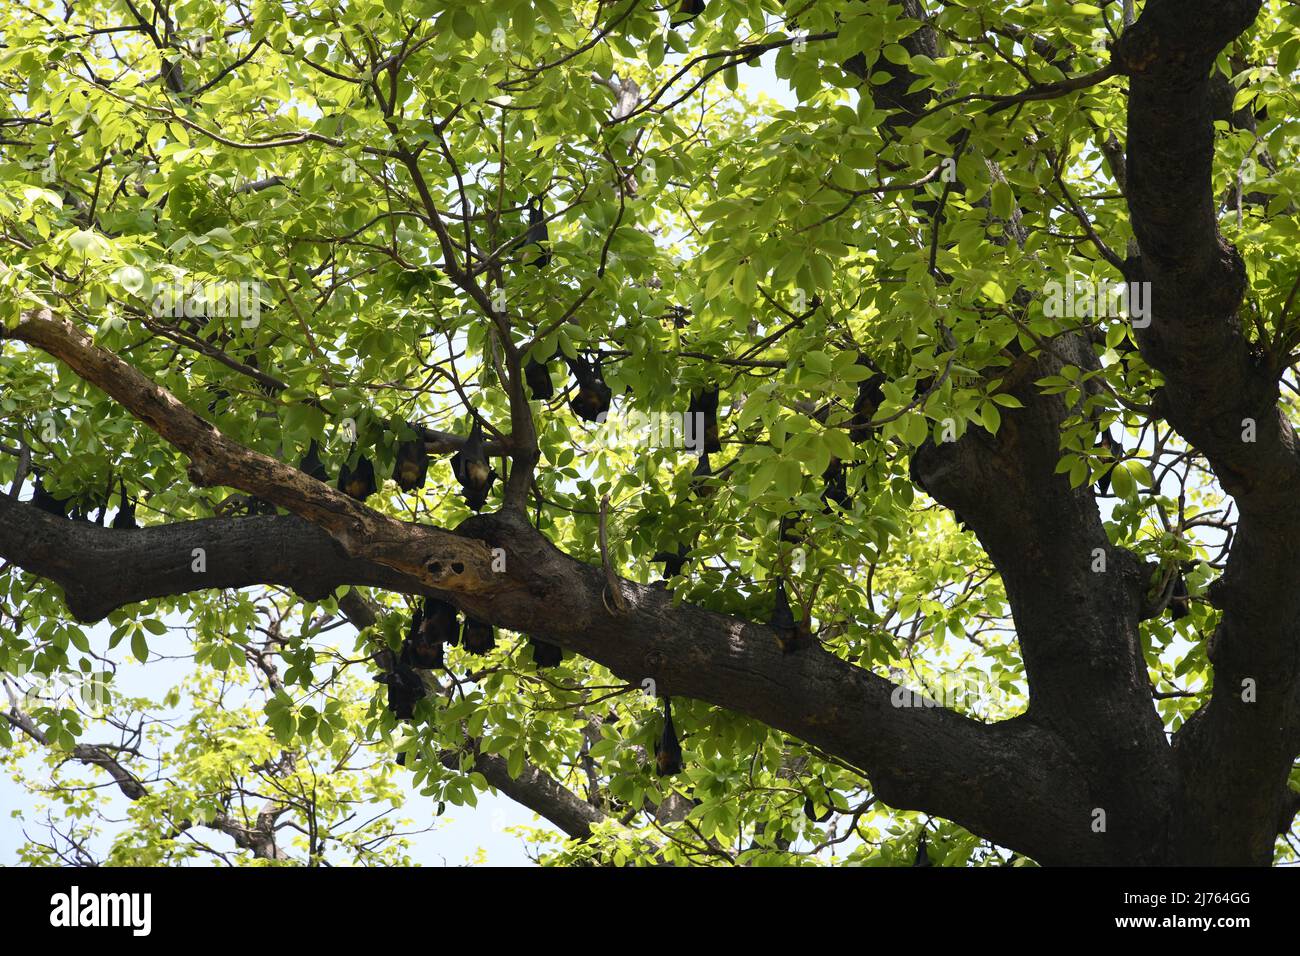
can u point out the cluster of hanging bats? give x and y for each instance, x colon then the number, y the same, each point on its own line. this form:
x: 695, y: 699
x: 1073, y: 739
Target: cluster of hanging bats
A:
x: 436, y: 624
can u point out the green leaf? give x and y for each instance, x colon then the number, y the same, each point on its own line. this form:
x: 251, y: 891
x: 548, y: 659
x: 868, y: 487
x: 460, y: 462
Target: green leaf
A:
x: 462, y: 23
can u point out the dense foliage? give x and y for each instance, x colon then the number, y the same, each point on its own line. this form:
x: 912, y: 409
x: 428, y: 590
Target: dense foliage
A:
x: 309, y: 222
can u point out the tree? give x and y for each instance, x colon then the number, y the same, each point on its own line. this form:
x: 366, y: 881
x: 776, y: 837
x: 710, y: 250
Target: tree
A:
x: 995, y: 320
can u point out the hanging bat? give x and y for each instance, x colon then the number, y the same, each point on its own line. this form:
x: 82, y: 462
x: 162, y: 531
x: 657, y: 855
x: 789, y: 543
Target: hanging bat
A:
x: 922, y: 855
x: 432, y: 627
x: 836, y: 485
x: 1114, y: 450
x: 545, y: 654
x: 591, y: 403
x: 311, y: 464
x: 699, y: 477
x: 538, y: 377
x: 788, y: 632
x: 668, y: 751
x: 810, y: 808
x: 672, y: 561
x: 42, y: 499
x: 688, y: 10
x: 538, y: 233
x: 125, y: 517
x: 479, y: 636
x: 411, y: 469
x: 870, y: 397
x: 405, y: 687
x: 358, y: 482
x: 471, y: 468
x: 705, y: 404
x: 1179, y: 599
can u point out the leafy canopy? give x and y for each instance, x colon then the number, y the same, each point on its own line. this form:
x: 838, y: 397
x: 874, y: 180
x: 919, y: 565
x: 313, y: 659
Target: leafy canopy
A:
x: 707, y: 236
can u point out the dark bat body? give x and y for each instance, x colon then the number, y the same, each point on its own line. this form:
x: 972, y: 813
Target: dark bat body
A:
x: 1178, y: 600
x: 471, y: 468
x: 538, y: 377
x: 545, y: 654
x: 439, y: 626
x: 688, y: 11
x: 591, y: 402
x: 411, y: 469
x: 672, y: 561
x: 311, y: 465
x: 45, y: 501
x: 405, y: 687
x: 125, y: 517
x: 538, y: 233
x: 479, y: 637
x: 705, y: 404
x: 1108, y: 443
x: 782, y: 620
x: 358, y: 482
x: 870, y: 396
x: 668, y: 750
x: 836, y: 485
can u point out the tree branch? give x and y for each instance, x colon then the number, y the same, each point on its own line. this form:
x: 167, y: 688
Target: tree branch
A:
x: 1221, y: 395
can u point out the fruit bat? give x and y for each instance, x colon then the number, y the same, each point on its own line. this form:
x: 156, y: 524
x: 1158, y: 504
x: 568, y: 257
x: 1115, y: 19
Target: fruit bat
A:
x: 412, y: 465
x: 699, y: 477
x: 810, y: 810
x: 422, y: 646
x: 405, y: 687
x: 538, y: 377
x: 922, y: 856
x: 221, y: 395
x: 1178, y: 599
x: 439, y: 625
x: 688, y: 10
x: 417, y: 622
x: 788, y: 529
x: 705, y: 404
x: 593, y: 398
x: 125, y: 517
x: 668, y: 751
x: 836, y: 488
x: 1108, y: 444
x: 45, y: 501
x: 545, y: 654
x: 102, y: 502
x: 672, y: 562
x: 782, y: 620
x: 358, y: 482
x: 479, y: 636
x: 538, y: 233
x: 870, y: 396
x: 471, y: 468
x: 311, y: 464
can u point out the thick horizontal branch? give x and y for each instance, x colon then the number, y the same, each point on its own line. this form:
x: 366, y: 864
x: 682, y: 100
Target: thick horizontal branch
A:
x: 536, y: 790
x: 1012, y: 781
x: 102, y: 569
